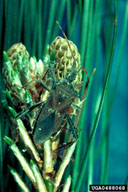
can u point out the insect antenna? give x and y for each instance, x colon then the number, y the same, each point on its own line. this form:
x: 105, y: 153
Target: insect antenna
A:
x: 66, y: 40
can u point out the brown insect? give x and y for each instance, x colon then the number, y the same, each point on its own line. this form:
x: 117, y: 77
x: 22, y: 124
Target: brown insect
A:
x: 53, y: 112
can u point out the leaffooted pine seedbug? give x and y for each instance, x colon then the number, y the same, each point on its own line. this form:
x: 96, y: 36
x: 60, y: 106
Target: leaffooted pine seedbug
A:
x: 53, y: 112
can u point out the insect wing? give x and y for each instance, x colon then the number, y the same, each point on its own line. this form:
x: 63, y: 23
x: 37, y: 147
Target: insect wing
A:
x: 44, y: 129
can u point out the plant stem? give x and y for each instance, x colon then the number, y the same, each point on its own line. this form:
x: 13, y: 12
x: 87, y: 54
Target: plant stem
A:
x: 63, y: 166
x: 39, y: 179
x: 17, y: 178
x: 48, y: 159
x: 67, y: 184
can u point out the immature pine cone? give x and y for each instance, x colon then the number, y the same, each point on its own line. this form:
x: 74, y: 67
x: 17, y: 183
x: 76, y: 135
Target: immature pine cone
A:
x: 64, y: 59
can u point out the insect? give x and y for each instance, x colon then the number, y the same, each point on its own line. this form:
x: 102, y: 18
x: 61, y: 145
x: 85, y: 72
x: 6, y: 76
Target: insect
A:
x: 53, y: 112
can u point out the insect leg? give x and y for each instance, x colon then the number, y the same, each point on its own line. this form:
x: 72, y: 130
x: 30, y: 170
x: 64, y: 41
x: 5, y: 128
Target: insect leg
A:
x: 79, y: 85
x: 21, y: 114
x: 44, y: 85
x: 64, y: 146
x: 53, y: 77
x: 72, y: 127
x: 83, y: 96
x: 41, y: 83
x: 25, y: 85
x: 75, y: 106
x: 15, y: 132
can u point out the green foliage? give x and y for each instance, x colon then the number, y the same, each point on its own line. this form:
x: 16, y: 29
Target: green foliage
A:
x: 34, y: 23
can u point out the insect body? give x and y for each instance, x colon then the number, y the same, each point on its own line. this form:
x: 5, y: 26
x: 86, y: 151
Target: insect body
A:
x: 53, y: 112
